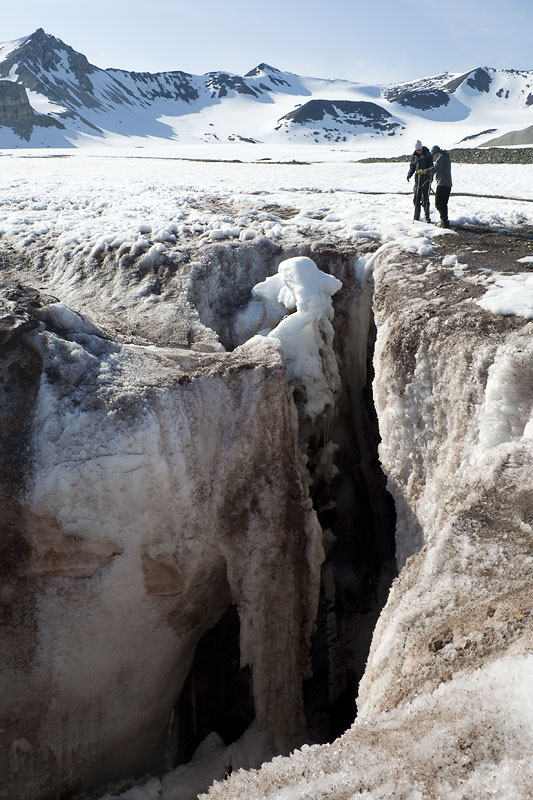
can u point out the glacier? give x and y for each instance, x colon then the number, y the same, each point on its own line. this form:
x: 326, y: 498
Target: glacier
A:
x: 210, y: 521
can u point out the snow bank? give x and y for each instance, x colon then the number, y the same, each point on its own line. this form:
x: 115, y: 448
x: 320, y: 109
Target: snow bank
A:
x: 84, y: 208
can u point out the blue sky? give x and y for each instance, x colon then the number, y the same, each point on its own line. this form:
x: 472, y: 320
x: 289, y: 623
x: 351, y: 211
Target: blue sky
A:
x: 378, y: 42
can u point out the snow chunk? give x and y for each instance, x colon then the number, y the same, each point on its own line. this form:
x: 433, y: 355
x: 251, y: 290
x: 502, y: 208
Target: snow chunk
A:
x: 247, y: 234
x: 153, y: 257
x: 166, y: 235
x: 511, y: 296
x: 139, y: 247
x: 300, y: 284
x: 449, y: 261
x: 306, y: 336
x: 70, y: 321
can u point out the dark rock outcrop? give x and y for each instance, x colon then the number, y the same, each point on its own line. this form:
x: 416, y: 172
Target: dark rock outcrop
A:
x: 424, y: 100
x: 478, y: 79
x: 16, y: 112
x: 337, y: 119
x: 350, y: 112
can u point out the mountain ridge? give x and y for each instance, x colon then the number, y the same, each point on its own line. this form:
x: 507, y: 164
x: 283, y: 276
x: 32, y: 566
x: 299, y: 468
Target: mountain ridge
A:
x: 74, y: 102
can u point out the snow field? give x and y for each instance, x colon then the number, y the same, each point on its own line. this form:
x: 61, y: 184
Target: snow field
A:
x: 82, y: 207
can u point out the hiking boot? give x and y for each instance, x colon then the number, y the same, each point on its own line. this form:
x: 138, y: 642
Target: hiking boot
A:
x: 444, y: 224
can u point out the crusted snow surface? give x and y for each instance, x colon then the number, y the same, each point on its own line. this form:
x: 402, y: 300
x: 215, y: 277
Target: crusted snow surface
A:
x: 432, y: 747
x: 118, y: 238
x: 512, y: 294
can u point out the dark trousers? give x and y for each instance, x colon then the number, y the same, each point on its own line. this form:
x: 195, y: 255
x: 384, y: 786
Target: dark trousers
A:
x: 442, y: 195
x: 421, y: 198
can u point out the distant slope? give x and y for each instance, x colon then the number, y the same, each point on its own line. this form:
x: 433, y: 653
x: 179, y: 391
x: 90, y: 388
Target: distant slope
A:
x: 524, y: 136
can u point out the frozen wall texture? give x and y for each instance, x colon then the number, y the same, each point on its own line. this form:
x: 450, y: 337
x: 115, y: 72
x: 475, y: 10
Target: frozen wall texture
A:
x: 144, y: 492
x: 152, y: 488
x: 445, y: 705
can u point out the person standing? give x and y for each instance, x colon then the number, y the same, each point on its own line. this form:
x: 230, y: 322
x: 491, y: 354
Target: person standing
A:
x: 421, y: 160
x: 442, y: 169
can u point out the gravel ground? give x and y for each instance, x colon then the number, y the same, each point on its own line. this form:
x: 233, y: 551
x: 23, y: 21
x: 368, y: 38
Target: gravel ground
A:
x: 484, y: 248
x: 487, y: 155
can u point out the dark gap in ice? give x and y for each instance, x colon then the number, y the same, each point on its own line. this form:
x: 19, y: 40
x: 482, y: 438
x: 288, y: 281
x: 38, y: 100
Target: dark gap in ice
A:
x: 217, y: 695
x: 358, y: 517
x: 355, y: 510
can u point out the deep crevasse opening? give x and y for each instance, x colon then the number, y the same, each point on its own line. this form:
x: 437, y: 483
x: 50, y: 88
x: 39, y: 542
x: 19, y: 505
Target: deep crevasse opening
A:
x: 332, y: 454
x: 339, y: 439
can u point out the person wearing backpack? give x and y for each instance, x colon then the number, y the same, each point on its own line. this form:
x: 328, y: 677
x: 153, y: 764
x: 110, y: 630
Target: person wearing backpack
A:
x: 421, y: 160
x: 442, y: 169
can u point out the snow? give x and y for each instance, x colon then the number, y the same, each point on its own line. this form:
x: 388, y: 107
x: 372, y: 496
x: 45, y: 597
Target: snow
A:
x: 6, y: 48
x: 307, y: 335
x: 42, y: 204
x: 449, y: 261
x: 511, y: 295
x: 42, y: 105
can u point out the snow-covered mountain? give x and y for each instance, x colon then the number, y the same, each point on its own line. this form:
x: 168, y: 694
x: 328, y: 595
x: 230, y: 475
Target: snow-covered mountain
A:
x: 51, y: 95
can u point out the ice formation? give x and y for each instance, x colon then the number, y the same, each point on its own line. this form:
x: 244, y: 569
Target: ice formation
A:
x: 306, y: 336
x: 146, y: 491
x: 157, y: 469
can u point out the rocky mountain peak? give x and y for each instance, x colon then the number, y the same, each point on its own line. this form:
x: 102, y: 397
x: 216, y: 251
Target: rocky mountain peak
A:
x: 479, y: 79
x: 44, y: 50
x: 260, y: 69
x: 97, y: 102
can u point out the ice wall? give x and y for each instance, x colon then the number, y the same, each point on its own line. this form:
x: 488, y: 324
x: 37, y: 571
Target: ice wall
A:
x: 146, y: 490
x: 454, y: 396
x: 445, y: 706
x: 155, y: 488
